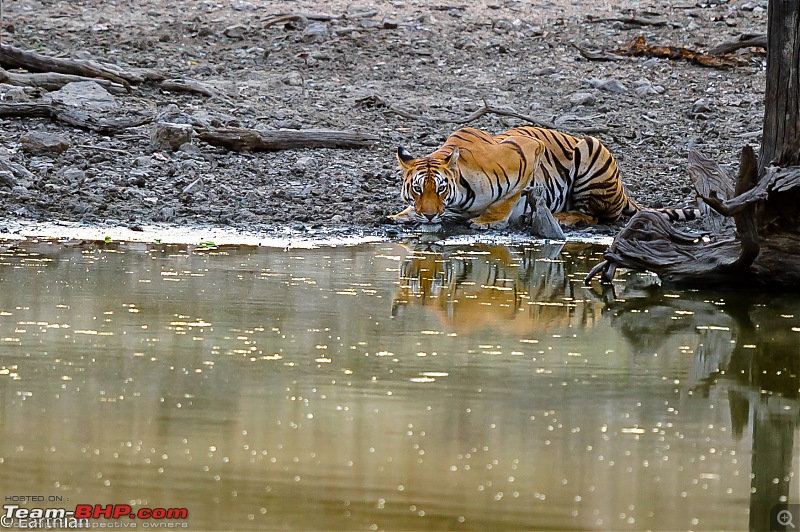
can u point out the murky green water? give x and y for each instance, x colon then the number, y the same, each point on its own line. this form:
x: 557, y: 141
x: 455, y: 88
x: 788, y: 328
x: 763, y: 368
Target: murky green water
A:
x: 387, y: 387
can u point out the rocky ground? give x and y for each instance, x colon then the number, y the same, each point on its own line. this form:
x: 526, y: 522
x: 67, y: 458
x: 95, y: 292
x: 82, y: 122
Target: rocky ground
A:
x: 406, y: 71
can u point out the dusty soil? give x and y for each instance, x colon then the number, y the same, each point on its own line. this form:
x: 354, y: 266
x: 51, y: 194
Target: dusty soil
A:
x: 439, y: 60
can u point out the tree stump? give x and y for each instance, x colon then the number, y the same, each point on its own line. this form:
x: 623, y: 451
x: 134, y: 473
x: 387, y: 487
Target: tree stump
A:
x: 764, y: 249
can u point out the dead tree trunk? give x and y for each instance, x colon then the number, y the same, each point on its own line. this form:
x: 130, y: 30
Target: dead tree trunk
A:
x: 764, y: 249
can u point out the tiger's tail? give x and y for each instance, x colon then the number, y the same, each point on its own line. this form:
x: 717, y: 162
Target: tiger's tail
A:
x: 682, y: 214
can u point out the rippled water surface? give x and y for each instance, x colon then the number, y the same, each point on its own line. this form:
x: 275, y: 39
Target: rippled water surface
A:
x: 392, y: 386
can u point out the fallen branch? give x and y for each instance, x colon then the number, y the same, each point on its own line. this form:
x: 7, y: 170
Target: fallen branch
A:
x: 241, y: 139
x: 649, y: 242
x: 52, y: 81
x: 540, y: 220
x: 638, y: 47
x: 596, y: 55
x: 35, y: 62
x: 70, y: 116
x: 744, y: 41
x: 635, y: 20
x: 192, y: 86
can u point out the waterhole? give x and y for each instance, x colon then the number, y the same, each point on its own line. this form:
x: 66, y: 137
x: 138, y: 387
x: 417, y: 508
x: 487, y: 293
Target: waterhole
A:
x: 392, y: 385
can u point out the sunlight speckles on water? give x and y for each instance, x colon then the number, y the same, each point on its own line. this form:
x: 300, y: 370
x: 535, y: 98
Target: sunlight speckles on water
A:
x: 283, y: 384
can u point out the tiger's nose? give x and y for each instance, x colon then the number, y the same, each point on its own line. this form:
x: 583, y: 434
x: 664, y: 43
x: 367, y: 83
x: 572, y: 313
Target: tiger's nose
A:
x: 430, y: 216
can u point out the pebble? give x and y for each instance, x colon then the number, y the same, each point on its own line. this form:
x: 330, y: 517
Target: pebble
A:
x: 7, y: 179
x: 13, y: 94
x: 293, y: 79
x: 41, y: 143
x: 700, y: 106
x: 315, y: 32
x: 86, y: 95
x: 644, y: 88
x: 193, y: 187
x: 609, y: 85
x: 237, y: 31
x: 544, y: 71
x: 582, y: 98
x: 170, y: 136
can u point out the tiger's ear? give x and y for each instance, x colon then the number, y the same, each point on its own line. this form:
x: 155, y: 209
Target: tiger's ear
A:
x: 452, y: 159
x: 404, y: 157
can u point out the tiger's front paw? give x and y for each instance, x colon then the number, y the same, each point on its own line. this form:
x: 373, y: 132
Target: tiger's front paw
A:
x: 400, y: 218
x: 483, y: 225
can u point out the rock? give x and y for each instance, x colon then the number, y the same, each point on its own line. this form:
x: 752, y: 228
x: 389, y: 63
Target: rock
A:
x: 40, y: 143
x: 293, y: 79
x: 86, y: 95
x: 315, y: 32
x: 237, y: 31
x: 302, y: 165
x: 7, y: 179
x: 9, y: 93
x: 243, y: 6
x: 544, y: 71
x: 700, y: 107
x: 610, y: 85
x: 171, y: 113
x: 73, y: 175
x: 582, y: 98
x: 643, y: 87
x: 170, y: 136
x: 193, y: 187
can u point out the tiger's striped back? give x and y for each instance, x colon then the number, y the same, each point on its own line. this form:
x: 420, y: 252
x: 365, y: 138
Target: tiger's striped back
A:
x: 578, y: 174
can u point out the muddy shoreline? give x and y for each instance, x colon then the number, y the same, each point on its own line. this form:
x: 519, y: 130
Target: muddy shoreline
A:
x: 406, y: 72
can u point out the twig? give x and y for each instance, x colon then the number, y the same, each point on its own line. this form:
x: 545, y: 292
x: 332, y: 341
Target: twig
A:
x: 102, y: 148
x: 489, y: 109
x: 596, y: 55
x: 638, y: 21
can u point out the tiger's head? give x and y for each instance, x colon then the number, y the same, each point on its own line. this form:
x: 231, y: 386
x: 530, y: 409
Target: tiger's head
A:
x: 429, y: 183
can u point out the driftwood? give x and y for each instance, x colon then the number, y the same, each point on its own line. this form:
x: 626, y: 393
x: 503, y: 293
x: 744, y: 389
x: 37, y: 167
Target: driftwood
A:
x: 749, y: 255
x: 192, y: 86
x: 241, y: 139
x: 744, y: 41
x: 638, y: 47
x: 35, y: 62
x: 764, y: 250
x: 70, y: 116
x: 540, y: 220
x: 634, y: 20
x: 52, y: 81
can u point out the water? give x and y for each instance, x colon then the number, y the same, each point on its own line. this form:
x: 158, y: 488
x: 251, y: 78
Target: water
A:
x: 391, y: 386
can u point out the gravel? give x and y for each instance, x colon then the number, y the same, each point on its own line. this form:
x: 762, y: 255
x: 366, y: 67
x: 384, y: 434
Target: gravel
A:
x: 354, y: 69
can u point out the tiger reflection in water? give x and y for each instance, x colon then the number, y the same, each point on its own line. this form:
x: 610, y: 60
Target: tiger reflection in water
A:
x: 518, y: 289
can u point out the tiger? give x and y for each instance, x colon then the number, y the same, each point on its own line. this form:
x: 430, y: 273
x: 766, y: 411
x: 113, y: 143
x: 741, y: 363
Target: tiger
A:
x: 520, y: 290
x: 480, y: 178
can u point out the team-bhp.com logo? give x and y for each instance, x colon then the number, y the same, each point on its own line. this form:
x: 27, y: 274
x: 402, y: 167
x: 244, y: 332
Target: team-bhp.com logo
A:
x: 86, y: 516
